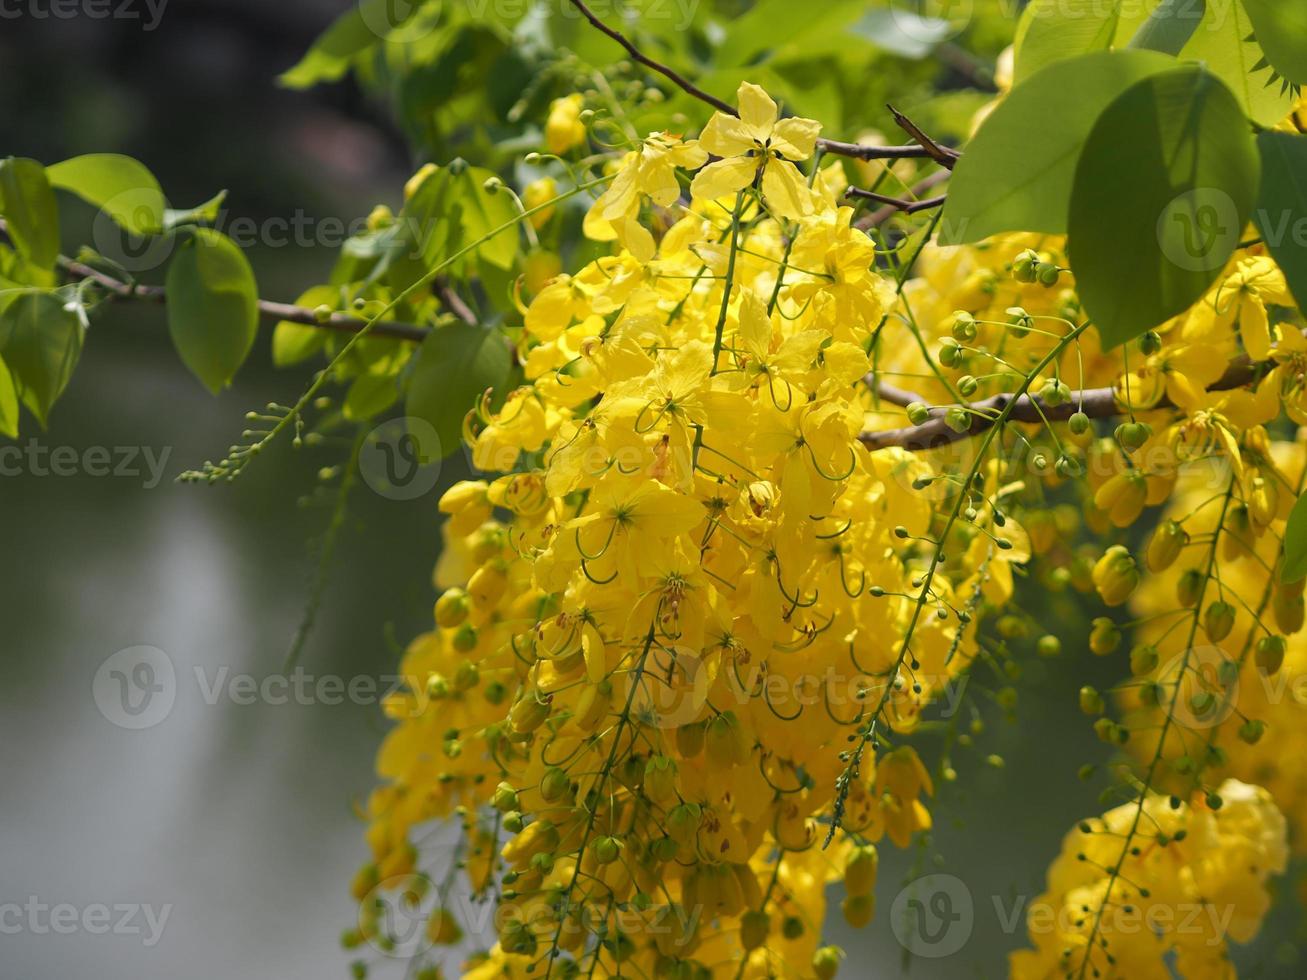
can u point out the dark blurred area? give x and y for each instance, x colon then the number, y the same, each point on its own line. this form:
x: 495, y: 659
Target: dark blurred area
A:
x: 240, y: 817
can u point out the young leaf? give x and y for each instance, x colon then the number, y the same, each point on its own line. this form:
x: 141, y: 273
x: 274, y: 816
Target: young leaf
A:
x: 484, y: 211
x: 213, y: 310
x: 1294, y: 568
x: 1054, y: 30
x: 455, y: 365
x: 1017, y: 173
x: 8, y: 403
x: 43, y: 340
x: 1170, y: 26
x: 30, y: 210
x: 119, y: 186
x: 1281, y: 214
x: 1163, y: 190
x: 1281, y: 28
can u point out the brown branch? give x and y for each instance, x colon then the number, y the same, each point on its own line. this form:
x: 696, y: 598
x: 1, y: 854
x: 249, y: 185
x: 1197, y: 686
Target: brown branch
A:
x: 926, y: 147
x: 895, y: 203
x: 877, y: 218
x: 1097, y: 403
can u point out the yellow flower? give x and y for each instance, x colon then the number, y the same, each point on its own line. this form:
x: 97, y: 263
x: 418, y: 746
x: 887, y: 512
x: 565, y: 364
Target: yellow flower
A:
x: 563, y: 127
x: 648, y: 172
x: 757, y: 142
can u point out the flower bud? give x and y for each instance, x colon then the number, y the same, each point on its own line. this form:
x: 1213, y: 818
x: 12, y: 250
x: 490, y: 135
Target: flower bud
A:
x: 964, y: 326
x: 529, y: 712
x: 958, y: 419
x: 1252, y: 730
x: 1104, y: 636
x: 826, y: 962
x: 1143, y: 660
x: 504, y: 798
x: 1287, y: 605
x: 860, y: 870
x: 1189, y: 587
x: 1167, y: 542
x: 465, y: 638
x: 689, y: 739
x: 554, y: 784
x: 1078, y: 424
x: 754, y: 927
x: 1123, y: 497
x: 858, y: 910
x: 683, y: 822
x: 1269, y: 654
x: 1218, y: 620
x: 918, y: 413
x: 593, y: 704
x: 660, y: 779
x: 1116, y: 575
x: 452, y: 608
x: 1132, y: 435
x: 1091, y: 702
x: 606, y: 849
x: 1048, y: 645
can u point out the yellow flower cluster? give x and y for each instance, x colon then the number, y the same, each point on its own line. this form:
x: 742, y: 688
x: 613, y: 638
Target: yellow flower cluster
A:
x: 695, y: 584
x: 692, y: 582
x: 1196, y: 882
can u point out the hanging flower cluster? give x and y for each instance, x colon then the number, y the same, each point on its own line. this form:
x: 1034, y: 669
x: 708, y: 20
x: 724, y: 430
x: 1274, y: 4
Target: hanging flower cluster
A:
x: 708, y: 586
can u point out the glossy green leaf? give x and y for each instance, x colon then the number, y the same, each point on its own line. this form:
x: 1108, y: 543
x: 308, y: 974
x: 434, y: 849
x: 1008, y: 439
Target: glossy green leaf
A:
x: 455, y: 365
x: 30, y: 210
x: 118, y: 185
x: 1225, y: 46
x: 1017, y: 174
x: 1281, y: 28
x: 1294, y: 568
x: 1170, y: 26
x: 8, y: 403
x: 1281, y: 214
x: 1054, y: 30
x: 212, y: 306
x: 1165, y: 185
x: 42, y: 343
x: 201, y: 214
x: 483, y: 212
x: 370, y: 394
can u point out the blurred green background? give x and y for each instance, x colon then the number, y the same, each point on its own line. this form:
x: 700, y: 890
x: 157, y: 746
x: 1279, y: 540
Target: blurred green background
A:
x: 240, y: 817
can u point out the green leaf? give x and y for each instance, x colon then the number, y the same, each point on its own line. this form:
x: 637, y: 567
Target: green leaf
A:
x: 1170, y: 26
x: 369, y: 394
x: 1164, y: 188
x: 43, y: 340
x: 294, y: 342
x: 30, y: 210
x: 119, y: 186
x: 361, y: 27
x: 899, y: 31
x: 1017, y: 174
x: 1054, y: 30
x: 1294, y: 568
x: 482, y: 212
x: 8, y: 403
x: 1281, y: 214
x: 1225, y: 46
x: 1281, y: 28
x: 201, y: 214
x: 455, y: 365
x: 213, y: 310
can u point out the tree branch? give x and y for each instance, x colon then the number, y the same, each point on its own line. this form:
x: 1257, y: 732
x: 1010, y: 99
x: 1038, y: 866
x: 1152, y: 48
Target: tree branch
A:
x: 1097, y: 403
x: 926, y: 147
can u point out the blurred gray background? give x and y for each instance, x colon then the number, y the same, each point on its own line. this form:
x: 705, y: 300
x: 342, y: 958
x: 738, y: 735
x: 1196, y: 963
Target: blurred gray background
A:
x: 239, y: 818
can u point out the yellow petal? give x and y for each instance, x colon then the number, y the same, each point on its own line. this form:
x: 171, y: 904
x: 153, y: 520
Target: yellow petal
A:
x: 795, y: 139
x: 726, y: 136
x: 757, y: 110
x: 723, y: 177
x: 1255, y: 328
x: 755, y: 325
x: 785, y: 190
